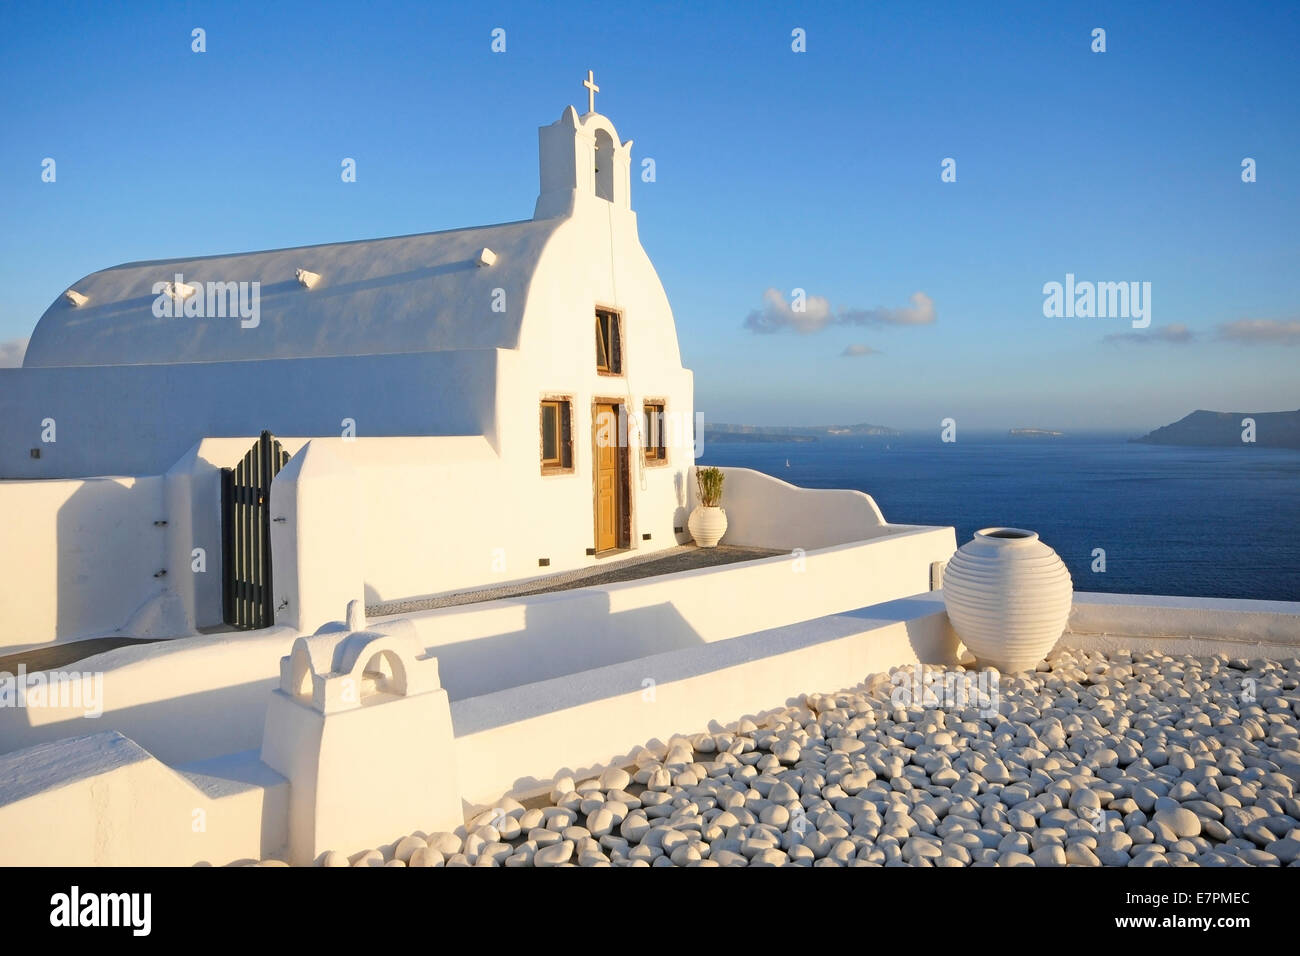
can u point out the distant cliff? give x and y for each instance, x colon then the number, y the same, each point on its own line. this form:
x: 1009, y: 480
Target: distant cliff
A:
x: 1272, y: 429
x: 719, y: 432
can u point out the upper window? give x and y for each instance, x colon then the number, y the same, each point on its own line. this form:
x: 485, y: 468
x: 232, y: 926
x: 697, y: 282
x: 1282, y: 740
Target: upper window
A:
x: 609, y: 344
x: 653, y: 439
x: 557, y: 436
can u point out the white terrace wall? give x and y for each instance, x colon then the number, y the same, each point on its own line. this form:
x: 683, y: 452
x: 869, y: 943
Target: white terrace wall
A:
x: 205, y: 696
x: 77, y: 557
x: 117, y: 804
x: 501, y: 644
x: 120, y: 805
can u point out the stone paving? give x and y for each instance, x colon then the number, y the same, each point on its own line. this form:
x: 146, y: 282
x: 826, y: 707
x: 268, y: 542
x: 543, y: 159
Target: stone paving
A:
x: 633, y: 567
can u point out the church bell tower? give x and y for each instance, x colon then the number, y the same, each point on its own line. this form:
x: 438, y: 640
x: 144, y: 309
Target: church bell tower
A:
x: 582, y: 160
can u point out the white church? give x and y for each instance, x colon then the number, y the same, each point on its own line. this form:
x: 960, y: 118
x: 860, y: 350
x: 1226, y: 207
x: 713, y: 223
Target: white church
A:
x: 455, y: 409
x: 265, y: 465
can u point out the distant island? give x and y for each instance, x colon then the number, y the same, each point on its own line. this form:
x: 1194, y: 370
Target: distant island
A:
x: 1225, y: 429
x: 720, y: 432
x: 1034, y: 433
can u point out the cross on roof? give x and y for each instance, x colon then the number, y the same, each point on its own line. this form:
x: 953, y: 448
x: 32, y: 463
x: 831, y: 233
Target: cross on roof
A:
x: 592, y: 90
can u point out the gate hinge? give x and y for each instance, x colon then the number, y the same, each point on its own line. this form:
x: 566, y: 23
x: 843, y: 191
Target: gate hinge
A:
x: 162, y: 573
x: 160, y: 524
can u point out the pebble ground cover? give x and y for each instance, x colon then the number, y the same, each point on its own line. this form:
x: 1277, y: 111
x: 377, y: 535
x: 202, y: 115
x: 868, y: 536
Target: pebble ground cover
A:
x: 1091, y: 760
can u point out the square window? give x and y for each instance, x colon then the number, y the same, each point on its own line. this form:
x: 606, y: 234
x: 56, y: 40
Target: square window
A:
x: 557, y: 437
x: 609, y: 345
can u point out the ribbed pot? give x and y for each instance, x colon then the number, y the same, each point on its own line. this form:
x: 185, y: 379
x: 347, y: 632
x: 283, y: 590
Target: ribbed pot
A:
x: 707, y: 525
x: 1008, y: 596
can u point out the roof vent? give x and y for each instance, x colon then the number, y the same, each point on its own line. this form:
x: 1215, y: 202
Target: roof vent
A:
x: 485, y: 257
x: 180, y: 291
x: 308, y: 279
x: 75, y: 297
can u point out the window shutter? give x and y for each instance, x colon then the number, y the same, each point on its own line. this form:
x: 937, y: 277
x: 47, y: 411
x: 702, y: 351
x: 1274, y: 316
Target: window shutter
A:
x: 566, y: 435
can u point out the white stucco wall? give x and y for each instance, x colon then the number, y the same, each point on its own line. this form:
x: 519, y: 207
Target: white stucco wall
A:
x: 78, y: 557
x: 140, y: 419
x: 434, y: 515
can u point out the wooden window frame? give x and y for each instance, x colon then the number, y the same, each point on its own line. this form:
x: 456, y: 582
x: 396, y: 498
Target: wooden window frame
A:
x: 657, y: 454
x: 616, y: 363
x: 564, y: 464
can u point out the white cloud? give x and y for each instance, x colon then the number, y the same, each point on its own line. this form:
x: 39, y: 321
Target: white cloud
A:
x: 1174, y: 334
x: 1261, y: 331
x: 778, y: 315
x: 11, y: 353
x: 920, y: 312
x: 856, y: 349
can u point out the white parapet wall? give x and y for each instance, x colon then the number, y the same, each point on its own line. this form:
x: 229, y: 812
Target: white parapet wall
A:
x: 181, y: 700
x: 516, y: 740
x: 1184, y: 625
x: 102, y: 800
x: 767, y: 512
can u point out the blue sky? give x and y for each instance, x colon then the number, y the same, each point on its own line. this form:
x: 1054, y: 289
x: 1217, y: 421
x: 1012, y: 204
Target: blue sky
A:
x: 775, y: 170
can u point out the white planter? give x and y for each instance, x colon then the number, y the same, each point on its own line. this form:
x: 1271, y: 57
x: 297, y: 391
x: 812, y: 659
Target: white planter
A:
x: 707, y: 525
x: 1008, y: 596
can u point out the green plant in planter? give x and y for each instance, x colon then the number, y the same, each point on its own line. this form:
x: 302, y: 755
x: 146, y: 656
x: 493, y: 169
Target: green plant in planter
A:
x: 709, y: 483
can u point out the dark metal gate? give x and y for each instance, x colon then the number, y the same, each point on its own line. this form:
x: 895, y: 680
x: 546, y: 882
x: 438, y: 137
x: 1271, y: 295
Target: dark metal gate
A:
x: 247, y: 597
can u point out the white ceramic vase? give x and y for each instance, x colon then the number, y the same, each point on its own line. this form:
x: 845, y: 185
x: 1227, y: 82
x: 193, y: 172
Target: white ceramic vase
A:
x: 707, y: 525
x: 1008, y: 596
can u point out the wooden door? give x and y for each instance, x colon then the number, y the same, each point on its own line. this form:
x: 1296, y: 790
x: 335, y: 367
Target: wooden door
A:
x: 605, y: 425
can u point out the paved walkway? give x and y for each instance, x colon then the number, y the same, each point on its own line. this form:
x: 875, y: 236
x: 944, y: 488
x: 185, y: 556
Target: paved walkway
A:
x: 686, y: 557
x: 61, y: 655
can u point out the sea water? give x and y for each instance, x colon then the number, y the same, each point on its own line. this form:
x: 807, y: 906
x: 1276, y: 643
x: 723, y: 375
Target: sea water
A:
x: 1125, y: 517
